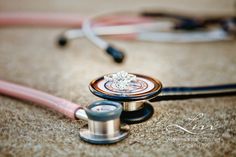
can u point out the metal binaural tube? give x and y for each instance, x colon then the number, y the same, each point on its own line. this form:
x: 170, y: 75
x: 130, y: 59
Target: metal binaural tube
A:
x: 133, y: 105
x: 110, y: 127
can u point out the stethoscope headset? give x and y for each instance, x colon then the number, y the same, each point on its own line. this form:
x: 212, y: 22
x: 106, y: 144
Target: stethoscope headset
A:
x: 128, y: 101
x: 154, y: 26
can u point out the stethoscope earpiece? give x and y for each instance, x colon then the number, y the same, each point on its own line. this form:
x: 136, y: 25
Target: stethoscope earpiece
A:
x: 131, y: 90
x: 104, y: 126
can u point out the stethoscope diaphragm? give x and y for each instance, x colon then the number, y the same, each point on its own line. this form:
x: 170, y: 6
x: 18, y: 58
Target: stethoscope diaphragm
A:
x: 142, y: 88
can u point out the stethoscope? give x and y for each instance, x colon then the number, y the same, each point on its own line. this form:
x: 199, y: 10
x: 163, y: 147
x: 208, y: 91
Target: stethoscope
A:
x: 128, y: 101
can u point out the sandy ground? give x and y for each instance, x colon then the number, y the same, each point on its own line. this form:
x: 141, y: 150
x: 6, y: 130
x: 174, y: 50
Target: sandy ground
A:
x: 29, y: 56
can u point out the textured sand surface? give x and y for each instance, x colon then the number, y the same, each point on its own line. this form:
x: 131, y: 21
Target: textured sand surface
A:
x: 29, y: 56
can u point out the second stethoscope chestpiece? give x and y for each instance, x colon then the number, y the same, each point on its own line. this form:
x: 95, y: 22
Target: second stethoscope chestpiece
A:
x: 104, y: 125
x: 131, y: 90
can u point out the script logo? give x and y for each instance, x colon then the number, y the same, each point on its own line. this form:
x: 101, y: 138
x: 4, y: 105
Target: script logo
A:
x: 192, y: 126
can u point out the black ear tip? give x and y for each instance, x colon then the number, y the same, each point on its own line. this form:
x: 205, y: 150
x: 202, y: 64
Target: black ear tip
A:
x: 62, y: 41
x: 116, y: 54
x: 119, y: 58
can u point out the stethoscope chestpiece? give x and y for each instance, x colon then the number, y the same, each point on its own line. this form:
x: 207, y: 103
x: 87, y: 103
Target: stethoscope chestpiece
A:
x: 104, y: 125
x: 132, y: 90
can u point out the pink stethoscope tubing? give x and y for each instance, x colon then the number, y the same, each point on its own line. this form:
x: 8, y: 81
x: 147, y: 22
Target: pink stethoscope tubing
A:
x: 63, y: 19
x: 44, y: 99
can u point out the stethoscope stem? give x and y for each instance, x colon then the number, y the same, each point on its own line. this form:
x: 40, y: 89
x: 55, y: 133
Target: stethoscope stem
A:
x: 81, y: 114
